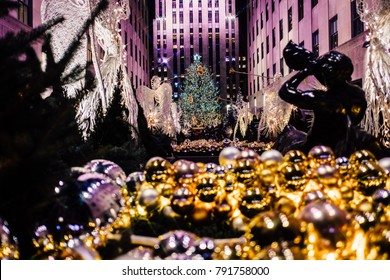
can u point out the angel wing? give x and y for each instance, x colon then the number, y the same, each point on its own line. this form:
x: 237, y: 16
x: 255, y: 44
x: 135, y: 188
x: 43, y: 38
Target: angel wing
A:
x: 75, y: 13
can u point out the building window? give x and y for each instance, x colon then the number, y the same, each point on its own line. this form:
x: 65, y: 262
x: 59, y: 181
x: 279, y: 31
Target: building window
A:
x: 316, y: 43
x: 333, y: 33
x: 24, y: 12
x: 273, y: 38
x: 262, y: 50
x: 261, y: 21
x: 290, y: 22
x: 257, y: 27
x: 273, y: 6
x: 266, y: 12
x: 314, y: 3
x: 258, y: 55
x: 267, y: 44
x: 357, y: 24
x: 274, y: 68
x: 281, y: 29
x: 282, y: 66
x: 200, y: 16
x: 300, y: 10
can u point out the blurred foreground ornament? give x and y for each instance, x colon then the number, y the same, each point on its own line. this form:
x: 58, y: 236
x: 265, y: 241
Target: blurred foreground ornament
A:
x: 9, y: 244
x: 227, y: 156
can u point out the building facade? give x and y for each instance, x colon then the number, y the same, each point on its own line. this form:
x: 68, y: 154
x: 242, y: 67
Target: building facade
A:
x: 28, y: 15
x: 135, y: 36
x: 317, y: 25
x: 183, y: 28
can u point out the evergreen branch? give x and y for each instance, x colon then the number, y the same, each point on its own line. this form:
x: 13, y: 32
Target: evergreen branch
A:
x: 13, y: 45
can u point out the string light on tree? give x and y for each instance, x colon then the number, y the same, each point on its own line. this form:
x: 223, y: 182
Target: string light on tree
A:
x: 198, y: 102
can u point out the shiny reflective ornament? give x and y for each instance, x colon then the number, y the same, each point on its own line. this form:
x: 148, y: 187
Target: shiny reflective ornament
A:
x: 134, y: 181
x: 165, y: 189
x: 365, y: 215
x: 182, y: 201
x: 227, y: 156
x: 149, y: 199
x: 327, y: 175
x: 247, y: 161
x: 202, y: 213
x: 292, y: 176
x: 235, y: 251
x: 343, y: 166
x: 271, y: 155
x: 207, y: 187
x: 281, y: 251
x: 223, y: 208
x: 285, y: 205
x: 174, y: 242
x: 185, y: 171
x: 158, y: 170
x: 326, y: 217
x: 320, y: 155
x: 9, y: 247
x: 384, y: 163
x: 312, y: 196
x: 139, y: 253
x: 109, y: 168
x: 361, y: 156
x: 379, y: 241
x: 203, y: 247
x: 253, y: 202
x: 103, y: 197
x: 381, y: 199
x: 271, y: 226
x: 210, y: 167
x: 295, y: 156
x: 369, y: 177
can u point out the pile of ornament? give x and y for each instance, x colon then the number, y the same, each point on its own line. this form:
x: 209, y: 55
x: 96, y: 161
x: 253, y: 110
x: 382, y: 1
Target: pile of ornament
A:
x: 249, y: 206
x: 211, y: 146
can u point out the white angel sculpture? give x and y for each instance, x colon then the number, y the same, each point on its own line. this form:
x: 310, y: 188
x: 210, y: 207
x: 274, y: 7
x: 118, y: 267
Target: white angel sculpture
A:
x: 104, y: 35
x: 276, y: 112
x: 244, y: 119
x: 376, y: 15
x: 160, y: 111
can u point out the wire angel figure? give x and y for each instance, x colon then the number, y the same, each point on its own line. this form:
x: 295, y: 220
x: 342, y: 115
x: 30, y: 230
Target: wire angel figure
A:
x: 160, y: 111
x: 244, y: 118
x: 104, y: 35
x: 276, y: 112
x: 75, y: 13
x: 376, y: 15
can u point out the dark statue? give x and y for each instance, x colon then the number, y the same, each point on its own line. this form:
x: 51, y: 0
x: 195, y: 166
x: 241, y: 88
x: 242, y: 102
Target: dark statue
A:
x: 338, y: 110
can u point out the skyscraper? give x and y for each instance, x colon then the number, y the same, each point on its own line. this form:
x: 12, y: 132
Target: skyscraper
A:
x: 183, y: 28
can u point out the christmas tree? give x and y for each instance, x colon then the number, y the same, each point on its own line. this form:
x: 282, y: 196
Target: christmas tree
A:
x: 199, y: 100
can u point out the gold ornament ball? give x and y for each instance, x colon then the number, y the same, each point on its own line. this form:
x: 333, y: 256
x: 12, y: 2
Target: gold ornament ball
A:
x: 384, y: 163
x: 292, y: 176
x: 227, y: 156
x: 158, y: 170
x: 207, y: 186
x: 343, y: 165
x: 320, y: 155
x: 369, y: 177
x: 165, y: 189
x: 361, y: 156
x: 271, y: 155
x: 253, y: 202
x: 149, y: 199
x: 327, y: 175
x: 185, y: 170
x: 271, y: 226
x: 295, y: 156
x: 201, y: 213
x: 182, y: 201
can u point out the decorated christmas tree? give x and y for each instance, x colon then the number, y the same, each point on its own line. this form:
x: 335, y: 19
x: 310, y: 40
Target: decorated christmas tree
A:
x: 199, y: 100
